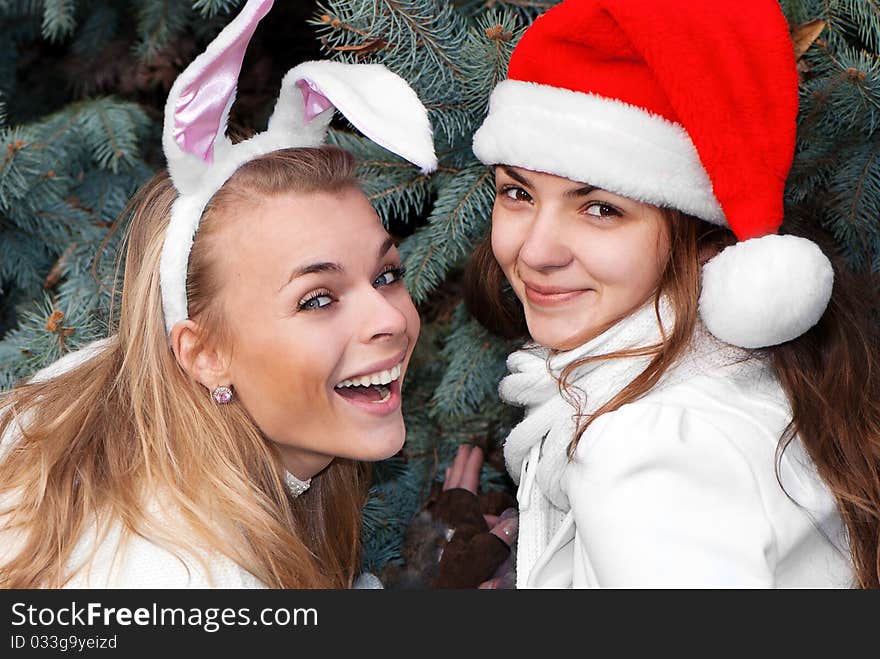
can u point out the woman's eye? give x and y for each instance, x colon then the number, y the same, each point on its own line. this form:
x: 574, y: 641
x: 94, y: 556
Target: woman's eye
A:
x: 389, y: 276
x: 317, y: 300
x: 599, y: 209
x: 515, y: 193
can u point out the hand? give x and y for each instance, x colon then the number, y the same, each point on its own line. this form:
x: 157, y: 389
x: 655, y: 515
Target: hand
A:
x: 476, y: 544
x: 465, y: 469
x: 465, y: 473
x: 505, y: 527
x: 495, y: 583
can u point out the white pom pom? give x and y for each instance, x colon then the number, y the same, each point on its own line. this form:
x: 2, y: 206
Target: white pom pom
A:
x: 765, y: 291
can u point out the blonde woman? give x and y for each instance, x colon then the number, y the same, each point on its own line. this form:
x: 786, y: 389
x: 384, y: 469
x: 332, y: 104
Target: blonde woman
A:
x: 215, y: 439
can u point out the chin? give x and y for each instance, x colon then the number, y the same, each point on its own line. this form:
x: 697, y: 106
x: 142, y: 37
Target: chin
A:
x: 387, y: 451
x: 382, y: 444
x: 555, y: 338
x: 558, y: 335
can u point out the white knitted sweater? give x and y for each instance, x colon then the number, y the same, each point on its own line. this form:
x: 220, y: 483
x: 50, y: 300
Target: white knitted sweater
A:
x: 678, y: 488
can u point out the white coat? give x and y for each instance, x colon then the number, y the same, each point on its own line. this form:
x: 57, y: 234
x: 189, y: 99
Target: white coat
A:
x: 679, y: 488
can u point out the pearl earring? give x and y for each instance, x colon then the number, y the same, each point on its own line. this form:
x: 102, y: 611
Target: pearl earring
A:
x: 222, y: 394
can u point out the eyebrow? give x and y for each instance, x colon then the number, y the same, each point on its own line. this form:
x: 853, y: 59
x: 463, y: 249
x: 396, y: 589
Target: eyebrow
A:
x: 329, y: 266
x: 516, y: 176
x: 576, y: 192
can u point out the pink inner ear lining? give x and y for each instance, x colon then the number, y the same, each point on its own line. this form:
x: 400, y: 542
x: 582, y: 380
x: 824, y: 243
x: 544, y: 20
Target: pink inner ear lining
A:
x: 314, y: 102
x: 202, y: 102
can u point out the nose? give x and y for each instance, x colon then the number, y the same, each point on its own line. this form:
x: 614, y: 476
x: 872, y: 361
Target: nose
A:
x: 543, y: 247
x: 383, y: 317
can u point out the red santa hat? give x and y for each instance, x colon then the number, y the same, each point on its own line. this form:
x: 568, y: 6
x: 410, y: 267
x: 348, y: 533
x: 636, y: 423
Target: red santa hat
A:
x: 682, y: 104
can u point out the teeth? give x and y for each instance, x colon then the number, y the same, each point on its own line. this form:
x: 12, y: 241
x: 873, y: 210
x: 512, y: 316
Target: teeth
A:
x: 380, y: 377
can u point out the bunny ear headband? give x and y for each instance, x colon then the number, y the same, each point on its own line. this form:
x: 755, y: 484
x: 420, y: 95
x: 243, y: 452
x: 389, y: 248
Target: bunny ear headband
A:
x: 201, y: 158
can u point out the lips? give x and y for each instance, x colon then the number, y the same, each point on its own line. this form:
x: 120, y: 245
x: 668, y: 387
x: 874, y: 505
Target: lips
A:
x: 379, y: 403
x: 377, y: 367
x: 375, y: 389
x: 551, y: 295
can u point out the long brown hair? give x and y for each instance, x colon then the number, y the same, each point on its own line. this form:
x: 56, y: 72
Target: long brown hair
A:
x: 95, y: 444
x: 830, y: 374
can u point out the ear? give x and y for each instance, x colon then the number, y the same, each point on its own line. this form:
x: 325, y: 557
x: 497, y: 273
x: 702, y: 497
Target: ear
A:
x: 377, y: 101
x: 197, y: 110
x: 206, y: 363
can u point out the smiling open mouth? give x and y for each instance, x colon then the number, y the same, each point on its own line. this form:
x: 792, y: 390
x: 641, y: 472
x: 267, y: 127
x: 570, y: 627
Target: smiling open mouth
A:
x: 375, y: 388
x: 374, y: 393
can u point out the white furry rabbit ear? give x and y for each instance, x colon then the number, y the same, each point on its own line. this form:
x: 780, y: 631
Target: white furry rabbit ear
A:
x: 197, y: 110
x: 379, y: 103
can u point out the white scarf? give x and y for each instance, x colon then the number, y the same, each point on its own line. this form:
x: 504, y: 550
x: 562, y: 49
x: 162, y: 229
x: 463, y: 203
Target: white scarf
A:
x: 550, y: 417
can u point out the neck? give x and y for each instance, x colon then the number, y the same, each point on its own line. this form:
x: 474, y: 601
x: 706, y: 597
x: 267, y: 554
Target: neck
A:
x: 628, y: 332
x: 302, y: 463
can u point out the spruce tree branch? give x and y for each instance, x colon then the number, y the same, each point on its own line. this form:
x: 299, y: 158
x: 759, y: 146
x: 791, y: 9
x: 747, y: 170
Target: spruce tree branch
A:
x: 154, y: 35
x: 39, y: 236
x: 828, y: 16
x: 55, y: 326
x: 470, y: 193
x: 112, y: 290
x: 427, y: 38
x: 425, y: 261
x: 499, y: 52
x: 425, y: 489
x: 397, y: 188
x: 859, y: 187
x: 54, y: 275
x: 825, y: 49
x: 72, y: 119
x: 402, y: 166
x: 110, y: 134
x: 43, y: 143
x: 445, y: 106
x: 362, y: 49
x: 873, y: 4
x: 484, y: 347
x: 385, y: 164
x: 337, y: 23
x: 11, y: 151
x: 450, y: 237
x: 527, y: 4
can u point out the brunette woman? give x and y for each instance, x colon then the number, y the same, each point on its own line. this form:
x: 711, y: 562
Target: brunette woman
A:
x: 702, y: 394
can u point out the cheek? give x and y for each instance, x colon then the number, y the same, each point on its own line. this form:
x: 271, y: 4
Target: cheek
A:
x: 271, y: 343
x: 506, y: 240
x: 401, y: 300
x: 625, y: 259
x: 281, y: 371
x: 653, y: 246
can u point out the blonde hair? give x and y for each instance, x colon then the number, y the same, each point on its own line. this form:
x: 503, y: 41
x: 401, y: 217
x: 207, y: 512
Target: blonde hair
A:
x: 94, y: 444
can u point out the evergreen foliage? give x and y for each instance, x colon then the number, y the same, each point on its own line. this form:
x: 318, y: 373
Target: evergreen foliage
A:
x: 73, y: 154
x: 63, y: 181
x: 836, y: 168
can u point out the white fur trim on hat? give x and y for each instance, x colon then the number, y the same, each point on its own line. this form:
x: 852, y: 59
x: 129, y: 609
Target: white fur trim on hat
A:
x: 604, y: 142
x: 765, y: 291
